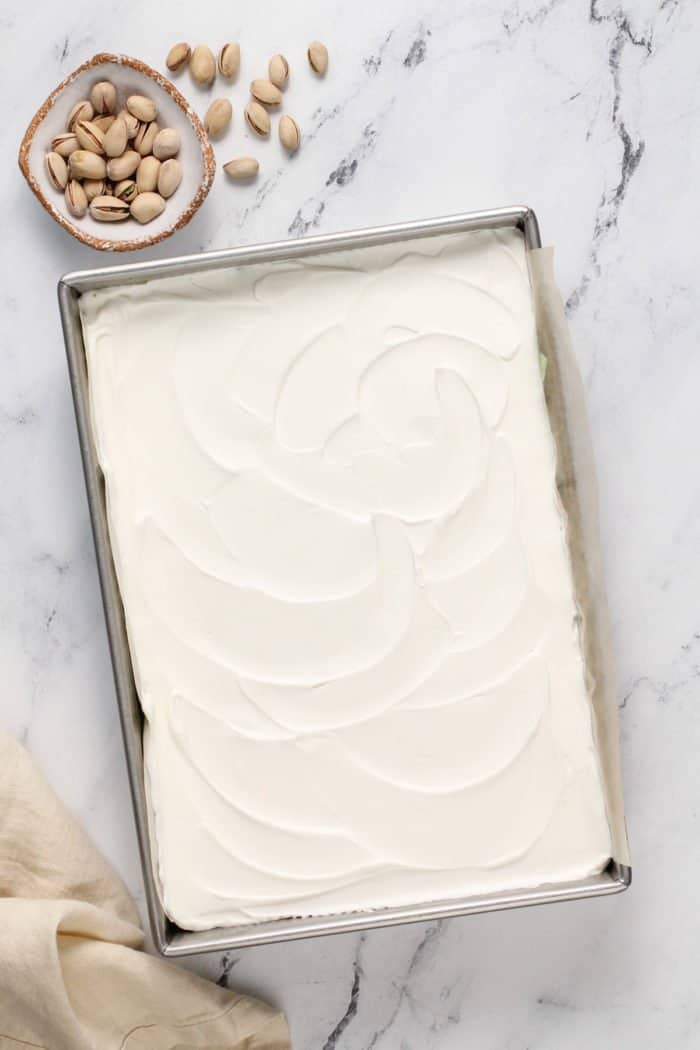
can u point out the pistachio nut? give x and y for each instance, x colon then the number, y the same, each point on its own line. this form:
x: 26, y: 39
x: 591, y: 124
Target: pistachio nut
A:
x: 109, y: 209
x: 202, y: 65
x: 89, y: 136
x: 132, y: 123
x: 166, y: 144
x: 278, y: 71
x: 76, y: 200
x: 125, y: 190
x: 83, y: 164
x: 57, y: 171
x: 65, y: 144
x: 123, y: 167
x: 145, y: 137
x: 242, y: 167
x: 144, y: 109
x: 257, y: 118
x: 104, y: 122
x: 115, y: 140
x: 81, y: 111
x: 317, y: 55
x: 265, y: 91
x: 104, y: 97
x: 147, y: 174
x: 169, y: 177
x: 290, y: 135
x: 229, y: 60
x: 218, y: 116
x: 178, y: 57
x: 147, y: 206
x: 95, y: 188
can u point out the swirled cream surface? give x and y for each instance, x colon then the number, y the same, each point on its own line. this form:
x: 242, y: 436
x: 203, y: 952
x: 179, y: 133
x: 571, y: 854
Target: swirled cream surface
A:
x: 332, y: 506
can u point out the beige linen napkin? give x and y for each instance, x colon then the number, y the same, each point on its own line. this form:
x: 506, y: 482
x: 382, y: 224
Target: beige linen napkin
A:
x: 72, y: 972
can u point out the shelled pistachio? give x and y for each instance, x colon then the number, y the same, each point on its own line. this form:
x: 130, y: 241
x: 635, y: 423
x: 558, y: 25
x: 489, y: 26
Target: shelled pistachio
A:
x: 147, y: 175
x: 147, y: 206
x: 95, y: 188
x: 82, y: 110
x: 109, y: 209
x: 166, y: 144
x: 115, y: 140
x: 169, y: 177
x: 257, y: 118
x: 242, y: 167
x: 57, y: 171
x: 229, y: 60
x: 289, y: 133
x: 76, y: 199
x: 265, y: 91
x: 218, y: 117
x: 202, y: 65
x: 145, y: 137
x: 278, y: 71
x: 178, y: 57
x: 317, y: 55
x: 104, y: 97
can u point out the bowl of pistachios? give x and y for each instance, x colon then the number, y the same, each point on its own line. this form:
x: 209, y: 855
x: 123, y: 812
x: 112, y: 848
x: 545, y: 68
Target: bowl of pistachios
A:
x: 117, y: 156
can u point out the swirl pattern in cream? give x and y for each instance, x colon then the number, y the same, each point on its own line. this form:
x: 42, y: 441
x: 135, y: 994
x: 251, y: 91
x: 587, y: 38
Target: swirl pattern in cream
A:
x: 332, y: 505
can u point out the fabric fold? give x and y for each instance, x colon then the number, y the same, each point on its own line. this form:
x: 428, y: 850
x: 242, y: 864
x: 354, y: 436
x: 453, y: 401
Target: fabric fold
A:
x: 73, y: 975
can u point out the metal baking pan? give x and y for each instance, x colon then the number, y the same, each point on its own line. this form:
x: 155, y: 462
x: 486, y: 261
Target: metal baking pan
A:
x: 169, y: 938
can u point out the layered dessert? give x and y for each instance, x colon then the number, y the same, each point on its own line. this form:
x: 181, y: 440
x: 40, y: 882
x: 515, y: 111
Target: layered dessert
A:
x: 347, y: 588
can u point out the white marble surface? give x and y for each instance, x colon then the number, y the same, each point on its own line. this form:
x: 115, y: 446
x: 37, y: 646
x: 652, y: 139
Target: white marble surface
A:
x: 590, y: 114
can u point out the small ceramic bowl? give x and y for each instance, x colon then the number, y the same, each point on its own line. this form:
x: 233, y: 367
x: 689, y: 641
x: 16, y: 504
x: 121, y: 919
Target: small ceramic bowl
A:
x: 130, y: 77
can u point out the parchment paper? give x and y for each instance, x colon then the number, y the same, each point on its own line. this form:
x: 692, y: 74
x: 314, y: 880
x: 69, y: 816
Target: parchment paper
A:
x: 578, y: 491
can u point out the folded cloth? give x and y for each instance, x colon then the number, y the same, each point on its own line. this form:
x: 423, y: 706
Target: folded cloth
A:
x: 72, y: 972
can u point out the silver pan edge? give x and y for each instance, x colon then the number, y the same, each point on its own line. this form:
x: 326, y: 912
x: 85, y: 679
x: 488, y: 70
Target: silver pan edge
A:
x: 169, y: 939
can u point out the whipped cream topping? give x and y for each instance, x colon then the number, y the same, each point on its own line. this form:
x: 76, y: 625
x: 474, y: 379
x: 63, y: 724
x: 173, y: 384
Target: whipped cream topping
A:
x: 333, y: 512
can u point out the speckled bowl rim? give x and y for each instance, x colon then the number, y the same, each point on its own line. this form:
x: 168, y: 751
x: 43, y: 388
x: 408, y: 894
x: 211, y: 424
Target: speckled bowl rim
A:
x: 105, y: 244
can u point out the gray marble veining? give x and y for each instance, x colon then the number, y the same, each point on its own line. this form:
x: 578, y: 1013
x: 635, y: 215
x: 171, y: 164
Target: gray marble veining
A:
x: 589, y: 112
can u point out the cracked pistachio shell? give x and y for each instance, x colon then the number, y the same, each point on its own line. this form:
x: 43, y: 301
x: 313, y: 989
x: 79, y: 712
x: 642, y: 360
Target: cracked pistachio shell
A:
x: 81, y: 111
x: 166, y: 144
x: 242, y: 167
x: 202, y: 65
x: 147, y: 206
x: 57, y: 171
x: 76, y: 199
x: 104, y: 123
x: 131, y: 122
x: 289, y: 132
x: 317, y: 55
x: 109, y: 209
x: 83, y: 164
x: 123, y: 167
x: 89, y: 136
x: 257, y: 118
x: 229, y: 60
x: 178, y: 57
x: 64, y: 144
x: 144, y: 109
x: 266, y: 92
x: 104, y: 97
x: 278, y: 71
x: 115, y: 139
x: 169, y: 177
x: 147, y: 175
x: 218, y: 116
x: 145, y: 137
x: 95, y: 188
x: 125, y: 190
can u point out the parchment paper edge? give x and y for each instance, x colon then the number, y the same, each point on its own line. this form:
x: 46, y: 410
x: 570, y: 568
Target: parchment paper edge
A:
x: 578, y: 491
